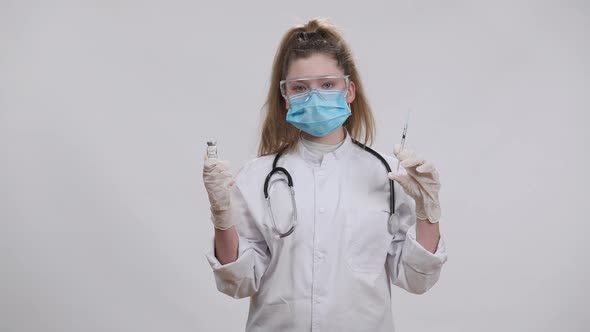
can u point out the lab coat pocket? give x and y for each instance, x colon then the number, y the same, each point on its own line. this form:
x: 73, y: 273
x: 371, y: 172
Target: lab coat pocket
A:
x: 367, y: 240
x: 273, y: 317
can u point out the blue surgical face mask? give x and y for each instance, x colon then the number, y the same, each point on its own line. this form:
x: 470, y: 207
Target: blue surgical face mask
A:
x: 318, y: 112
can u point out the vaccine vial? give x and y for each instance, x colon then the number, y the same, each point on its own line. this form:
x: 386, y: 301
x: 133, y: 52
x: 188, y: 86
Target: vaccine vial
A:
x: 212, y: 149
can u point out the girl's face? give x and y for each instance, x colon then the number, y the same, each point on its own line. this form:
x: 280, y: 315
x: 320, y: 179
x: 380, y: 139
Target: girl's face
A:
x: 318, y: 65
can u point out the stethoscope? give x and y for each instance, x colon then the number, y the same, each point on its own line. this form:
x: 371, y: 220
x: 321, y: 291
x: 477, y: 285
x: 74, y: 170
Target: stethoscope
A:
x: 289, y: 181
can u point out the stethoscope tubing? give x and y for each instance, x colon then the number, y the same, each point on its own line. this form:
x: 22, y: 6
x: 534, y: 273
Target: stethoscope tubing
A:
x: 276, y: 169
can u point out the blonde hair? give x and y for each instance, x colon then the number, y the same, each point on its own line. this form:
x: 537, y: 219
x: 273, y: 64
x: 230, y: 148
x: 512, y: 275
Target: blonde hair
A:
x: 318, y: 36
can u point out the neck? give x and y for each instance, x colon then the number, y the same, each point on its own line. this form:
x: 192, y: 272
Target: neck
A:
x: 334, y: 137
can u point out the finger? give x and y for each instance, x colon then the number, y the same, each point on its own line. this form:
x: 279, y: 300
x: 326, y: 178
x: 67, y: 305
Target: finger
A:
x: 209, y: 165
x: 216, y: 173
x: 217, y: 176
x: 214, y: 165
x: 403, y: 155
x: 407, y: 154
x: 427, y: 167
x: 396, y: 149
x: 396, y: 177
x: 404, y: 180
x: 224, y: 164
x: 230, y: 182
x: 226, y: 174
x: 393, y: 176
x: 412, y: 162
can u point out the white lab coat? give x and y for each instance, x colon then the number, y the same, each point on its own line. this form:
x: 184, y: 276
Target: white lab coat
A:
x: 334, y: 272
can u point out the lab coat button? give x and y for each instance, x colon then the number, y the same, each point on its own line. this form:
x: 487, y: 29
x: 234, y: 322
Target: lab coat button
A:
x: 321, y: 210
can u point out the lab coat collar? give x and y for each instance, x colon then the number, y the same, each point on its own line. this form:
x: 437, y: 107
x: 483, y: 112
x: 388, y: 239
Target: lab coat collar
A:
x: 327, y: 160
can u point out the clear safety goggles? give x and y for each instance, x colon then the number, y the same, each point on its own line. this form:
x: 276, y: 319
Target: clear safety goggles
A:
x: 303, y: 87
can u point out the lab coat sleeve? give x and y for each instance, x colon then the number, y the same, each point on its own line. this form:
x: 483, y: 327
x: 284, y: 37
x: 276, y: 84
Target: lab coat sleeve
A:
x: 241, y: 278
x: 410, y: 266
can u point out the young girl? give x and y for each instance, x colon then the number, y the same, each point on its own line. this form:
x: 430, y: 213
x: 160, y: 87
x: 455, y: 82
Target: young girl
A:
x: 315, y: 230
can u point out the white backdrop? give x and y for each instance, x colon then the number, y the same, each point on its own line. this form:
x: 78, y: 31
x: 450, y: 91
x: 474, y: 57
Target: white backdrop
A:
x: 105, y: 108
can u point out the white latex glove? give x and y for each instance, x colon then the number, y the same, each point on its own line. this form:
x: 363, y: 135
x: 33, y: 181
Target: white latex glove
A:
x: 218, y: 181
x: 421, y: 183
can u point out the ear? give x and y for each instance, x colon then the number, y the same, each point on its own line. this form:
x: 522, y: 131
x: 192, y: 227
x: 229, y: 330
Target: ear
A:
x: 351, y: 92
x: 286, y: 103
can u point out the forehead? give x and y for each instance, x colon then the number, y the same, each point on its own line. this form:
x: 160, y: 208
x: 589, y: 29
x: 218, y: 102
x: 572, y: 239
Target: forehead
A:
x: 314, y: 65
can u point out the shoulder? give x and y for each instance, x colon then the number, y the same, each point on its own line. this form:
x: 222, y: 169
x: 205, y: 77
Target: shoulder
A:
x: 365, y: 156
x: 255, y: 169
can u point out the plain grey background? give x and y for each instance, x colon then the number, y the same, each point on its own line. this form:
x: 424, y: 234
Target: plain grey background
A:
x: 105, y: 108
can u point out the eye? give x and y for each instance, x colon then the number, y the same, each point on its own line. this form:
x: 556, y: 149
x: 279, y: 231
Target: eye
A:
x: 328, y: 85
x: 298, y: 88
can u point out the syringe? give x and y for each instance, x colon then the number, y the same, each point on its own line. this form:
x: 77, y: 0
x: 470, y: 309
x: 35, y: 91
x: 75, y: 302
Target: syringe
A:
x: 403, y: 142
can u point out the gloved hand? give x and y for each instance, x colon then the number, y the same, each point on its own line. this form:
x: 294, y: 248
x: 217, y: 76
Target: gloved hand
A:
x: 218, y: 182
x: 421, y: 183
